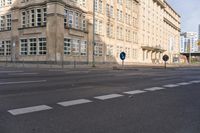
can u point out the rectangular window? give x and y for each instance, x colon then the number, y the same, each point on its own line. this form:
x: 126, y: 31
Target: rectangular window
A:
x: 67, y: 46
x: 23, y: 19
x: 76, y: 20
x: 111, y: 11
x: 75, y: 47
x: 65, y: 18
x: 28, y: 19
x: 8, y: 47
x: 8, y: 22
x: 42, y: 46
x: 98, y: 49
x: 32, y: 46
x: 83, y: 48
x: 9, y: 2
x: 100, y: 27
x: 121, y: 33
x: 107, y: 10
x: 118, y: 32
x: 2, y: 3
x: 70, y: 21
x: 96, y: 5
x: 44, y: 16
x: 2, y: 48
x: 2, y: 23
x: 100, y: 6
x: 109, y: 30
x: 39, y: 17
x: 83, y: 2
x: 24, y: 47
x: 32, y: 17
x: 134, y: 53
x: 96, y: 26
x: 109, y: 50
x: 83, y: 24
x: 121, y: 15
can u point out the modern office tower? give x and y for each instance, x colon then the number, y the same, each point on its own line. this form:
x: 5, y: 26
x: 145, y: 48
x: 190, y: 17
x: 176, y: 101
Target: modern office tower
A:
x: 189, y: 42
x: 199, y: 32
x: 62, y: 30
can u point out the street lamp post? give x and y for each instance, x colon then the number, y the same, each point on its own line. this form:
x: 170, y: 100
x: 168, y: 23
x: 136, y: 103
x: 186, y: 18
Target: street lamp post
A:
x: 190, y: 54
x: 93, y: 46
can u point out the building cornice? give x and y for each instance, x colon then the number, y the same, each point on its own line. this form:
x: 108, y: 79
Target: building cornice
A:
x: 171, y: 24
x: 161, y: 3
x: 172, y: 8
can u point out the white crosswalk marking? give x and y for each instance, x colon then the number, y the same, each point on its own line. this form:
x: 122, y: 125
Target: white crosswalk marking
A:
x: 134, y: 92
x: 74, y: 102
x: 21, y: 111
x: 154, y: 88
x: 105, y: 97
x: 171, y: 85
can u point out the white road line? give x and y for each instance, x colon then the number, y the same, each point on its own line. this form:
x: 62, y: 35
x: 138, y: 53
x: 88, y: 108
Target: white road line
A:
x: 134, y: 92
x: 105, y: 97
x: 171, y: 85
x: 154, y: 89
x: 74, y: 102
x: 22, y: 82
x: 32, y: 109
x: 11, y: 71
x: 23, y: 74
x: 195, y: 81
x: 184, y: 83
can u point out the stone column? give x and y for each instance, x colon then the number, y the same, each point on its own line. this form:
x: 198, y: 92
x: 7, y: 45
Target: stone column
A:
x: 55, y: 30
x: 15, y: 48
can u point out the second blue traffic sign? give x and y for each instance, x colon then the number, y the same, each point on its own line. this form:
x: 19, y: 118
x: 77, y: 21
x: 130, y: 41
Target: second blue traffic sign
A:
x: 122, y: 55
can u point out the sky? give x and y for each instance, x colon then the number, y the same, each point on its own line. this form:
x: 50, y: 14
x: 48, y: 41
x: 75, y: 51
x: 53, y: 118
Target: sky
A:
x: 189, y: 11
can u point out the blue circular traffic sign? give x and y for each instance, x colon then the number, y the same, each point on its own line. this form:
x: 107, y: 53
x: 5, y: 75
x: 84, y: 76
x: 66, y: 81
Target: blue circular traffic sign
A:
x: 122, y: 55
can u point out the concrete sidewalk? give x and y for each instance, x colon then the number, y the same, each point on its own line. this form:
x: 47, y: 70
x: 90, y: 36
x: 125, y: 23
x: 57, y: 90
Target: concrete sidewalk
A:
x: 97, y: 66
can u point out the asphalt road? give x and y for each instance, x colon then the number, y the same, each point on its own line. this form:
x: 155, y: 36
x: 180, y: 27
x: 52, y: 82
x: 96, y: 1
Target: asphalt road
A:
x: 99, y: 101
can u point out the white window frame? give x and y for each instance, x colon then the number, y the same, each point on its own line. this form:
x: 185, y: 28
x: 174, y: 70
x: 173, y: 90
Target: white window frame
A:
x: 75, y: 46
x: 8, y: 21
x: 25, y: 47
x: 67, y: 46
x: 2, y: 48
x: 83, y: 48
x: 38, y: 22
x: 76, y: 20
x: 70, y: 19
x: 99, y: 49
x: 33, y: 51
x: 33, y: 17
x: 42, y: 46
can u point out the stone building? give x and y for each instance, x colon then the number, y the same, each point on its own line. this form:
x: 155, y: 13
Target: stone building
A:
x: 62, y: 30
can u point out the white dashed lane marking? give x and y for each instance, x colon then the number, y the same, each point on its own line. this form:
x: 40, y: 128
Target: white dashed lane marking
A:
x: 134, y: 92
x: 154, y: 88
x: 11, y: 71
x: 195, y: 81
x: 171, y: 85
x: 15, y: 74
x: 74, y: 102
x: 105, y: 97
x: 21, y: 111
x: 184, y: 83
x: 22, y: 82
x: 32, y: 109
